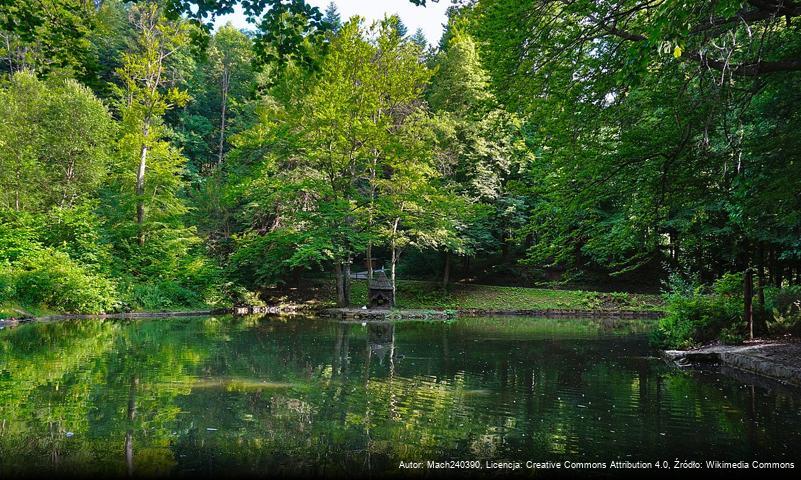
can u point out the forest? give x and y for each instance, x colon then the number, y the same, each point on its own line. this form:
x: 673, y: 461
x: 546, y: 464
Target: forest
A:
x: 150, y: 161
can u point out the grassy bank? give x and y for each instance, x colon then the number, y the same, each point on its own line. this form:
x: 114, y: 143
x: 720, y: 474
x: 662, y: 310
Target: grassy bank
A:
x: 15, y: 310
x: 424, y: 295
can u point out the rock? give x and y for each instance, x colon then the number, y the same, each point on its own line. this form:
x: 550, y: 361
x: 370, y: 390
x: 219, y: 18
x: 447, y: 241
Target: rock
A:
x: 9, y: 322
x: 779, y: 361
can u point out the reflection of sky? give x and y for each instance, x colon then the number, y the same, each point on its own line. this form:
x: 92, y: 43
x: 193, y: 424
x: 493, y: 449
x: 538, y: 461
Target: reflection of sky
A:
x: 430, y: 18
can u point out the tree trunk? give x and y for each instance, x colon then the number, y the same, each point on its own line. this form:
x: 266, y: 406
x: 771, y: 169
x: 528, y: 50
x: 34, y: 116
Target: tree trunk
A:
x: 223, y: 108
x: 761, y: 326
x: 17, y: 186
x: 395, y: 254
x: 446, y: 272
x: 771, y: 263
x: 341, y: 301
x: 140, y: 184
x: 748, y: 294
x: 346, y: 283
x: 392, y: 268
x: 369, y: 260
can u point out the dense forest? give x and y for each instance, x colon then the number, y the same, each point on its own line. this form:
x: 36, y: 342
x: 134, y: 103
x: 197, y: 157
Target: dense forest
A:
x: 150, y: 161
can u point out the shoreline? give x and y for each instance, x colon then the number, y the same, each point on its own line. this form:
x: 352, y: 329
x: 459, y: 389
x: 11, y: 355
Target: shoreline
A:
x: 779, y: 360
x: 11, y: 322
x: 395, y: 314
x: 350, y: 313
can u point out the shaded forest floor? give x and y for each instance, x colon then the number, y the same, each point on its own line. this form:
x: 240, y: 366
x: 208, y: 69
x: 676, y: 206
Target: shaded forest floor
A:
x: 413, y: 294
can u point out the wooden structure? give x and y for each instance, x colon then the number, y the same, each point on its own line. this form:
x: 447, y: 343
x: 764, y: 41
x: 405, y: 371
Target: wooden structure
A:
x: 380, y: 292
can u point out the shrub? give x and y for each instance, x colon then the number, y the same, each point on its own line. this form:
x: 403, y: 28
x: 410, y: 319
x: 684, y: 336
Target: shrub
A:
x: 784, y: 305
x: 18, y: 235
x: 7, y: 283
x: 77, y: 231
x: 697, y: 315
x: 162, y: 295
x: 50, y: 277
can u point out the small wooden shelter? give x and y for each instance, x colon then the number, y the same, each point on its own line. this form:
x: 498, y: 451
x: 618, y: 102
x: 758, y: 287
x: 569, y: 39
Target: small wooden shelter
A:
x: 380, y: 292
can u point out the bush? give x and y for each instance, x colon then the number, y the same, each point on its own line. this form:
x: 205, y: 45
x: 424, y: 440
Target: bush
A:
x: 162, y: 295
x: 77, y: 231
x: 784, y: 307
x: 697, y: 315
x: 7, y: 283
x: 50, y: 277
x: 18, y: 235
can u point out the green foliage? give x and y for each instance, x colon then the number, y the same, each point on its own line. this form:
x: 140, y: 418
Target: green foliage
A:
x: 52, y: 36
x: 637, y: 123
x: 8, y: 284
x: 52, y: 278
x: 18, y: 235
x: 221, y: 83
x: 163, y: 295
x: 784, y: 307
x: 349, y: 163
x: 537, y: 133
x: 54, y: 142
x: 695, y: 316
x: 79, y: 232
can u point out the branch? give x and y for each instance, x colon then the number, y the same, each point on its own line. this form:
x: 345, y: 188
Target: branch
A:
x: 749, y: 69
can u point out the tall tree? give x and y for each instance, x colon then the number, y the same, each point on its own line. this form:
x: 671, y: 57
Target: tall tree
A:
x: 148, y: 90
x: 644, y: 112
x: 419, y: 38
x: 54, y: 138
x: 483, y: 150
x: 332, y: 17
x: 334, y: 145
x: 230, y: 57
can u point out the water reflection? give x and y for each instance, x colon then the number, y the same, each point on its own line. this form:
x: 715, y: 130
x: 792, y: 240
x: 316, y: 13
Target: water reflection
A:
x: 256, y: 395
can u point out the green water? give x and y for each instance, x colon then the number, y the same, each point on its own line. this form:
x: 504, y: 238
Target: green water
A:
x: 259, y: 395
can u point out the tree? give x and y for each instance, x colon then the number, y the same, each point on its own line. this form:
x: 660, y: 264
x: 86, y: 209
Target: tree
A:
x: 397, y: 23
x: 47, y: 36
x: 483, y: 151
x: 419, y: 38
x: 414, y: 208
x: 332, y: 18
x: 645, y: 115
x: 290, y: 32
x: 334, y: 144
x: 230, y: 56
x: 54, y: 140
x: 145, y: 96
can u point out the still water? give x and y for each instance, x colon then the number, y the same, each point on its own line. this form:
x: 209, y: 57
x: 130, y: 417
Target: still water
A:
x: 265, y: 395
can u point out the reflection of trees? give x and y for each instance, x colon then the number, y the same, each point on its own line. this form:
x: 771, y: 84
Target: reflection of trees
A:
x: 86, y: 374
x: 44, y: 371
x: 226, y: 395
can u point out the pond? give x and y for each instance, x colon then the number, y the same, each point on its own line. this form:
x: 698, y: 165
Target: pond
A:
x: 269, y: 395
